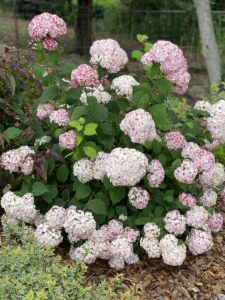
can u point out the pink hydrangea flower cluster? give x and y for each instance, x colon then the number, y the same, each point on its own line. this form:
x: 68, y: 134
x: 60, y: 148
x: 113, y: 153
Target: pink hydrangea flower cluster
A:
x: 138, y: 197
x: 172, y: 62
x: 175, y: 222
x: 44, y: 110
x: 18, y: 160
x: 187, y: 200
x: 199, y: 241
x: 139, y: 126
x: 60, y: 117
x: 187, y: 172
x: 46, y: 28
x: 175, y: 140
x: 215, y: 222
x: 111, y: 242
x: 67, y: 140
x: 155, y: 173
x: 85, y: 76
x: 197, y: 217
x: 109, y: 55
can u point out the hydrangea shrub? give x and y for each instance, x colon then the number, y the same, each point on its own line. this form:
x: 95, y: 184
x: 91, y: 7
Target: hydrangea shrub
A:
x: 110, y: 167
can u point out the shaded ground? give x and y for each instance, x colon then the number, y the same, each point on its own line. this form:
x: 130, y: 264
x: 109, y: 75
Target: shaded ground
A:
x: 201, y: 277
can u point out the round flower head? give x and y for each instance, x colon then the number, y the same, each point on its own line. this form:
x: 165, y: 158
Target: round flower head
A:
x: 99, y: 93
x: 85, y: 253
x: 55, y: 217
x: 44, y: 110
x: 190, y: 150
x: 79, y: 225
x: 199, y: 241
x: 203, y: 105
x: 48, y: 237
x: 124, y: 86
x: 99, y: 165
x: 126, y: 167
x: 85, y: 76
x: 138, y: 197
x: 19, y: 208
x: 174, y: 222
x: 172, y: 62
x: 151, y: 230
x: 215, y: 123
x: 155, y: 173
x: 112, y: 230
x: 108, y: 54
x: 208, y: 198
x: 139, y: 126
x: 214, y: 177
x: 49, y: 44
x: 130, y: 234
x: 187, y: 200
x: 60, y: 117
x: 18, y: 160
x: 46, y: 25
x: 204, y: 160
x: 197, y: 217
x: 151, y: 246
x: 83, y: 170
x: 215, y: 222
x: 67, y: 140
x: 172, y: 253
x: 175, y: 140
x: 186, y: 173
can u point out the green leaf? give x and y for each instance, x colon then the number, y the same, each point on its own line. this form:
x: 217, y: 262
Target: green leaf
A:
x: 90, y: 129
x: 39, y: 188
x: 148, y: 46
x: 121, y: 210
x: 90, y: 151
x: 159, y: 115
x: 62, y: 173
x: 165, y: 87
x: 78, y: 112
x: 83, y: 191
x: 51, y: 93
x: 97, y: 111
x: 137, y: 55
x: 158, y: 212
x: 12, y: 132
x: 76, y: 124
x: 97, y: 206
x: 141, y: 220
x: 142, y: 38
x: 117, y: 194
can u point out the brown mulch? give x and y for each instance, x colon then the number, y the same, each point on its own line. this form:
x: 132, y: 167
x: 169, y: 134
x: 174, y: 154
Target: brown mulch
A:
x: 201, y: 277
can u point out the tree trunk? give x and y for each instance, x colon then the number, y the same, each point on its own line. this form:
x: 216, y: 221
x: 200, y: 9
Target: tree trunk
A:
x: 210, y: 50
x: 83, y: 30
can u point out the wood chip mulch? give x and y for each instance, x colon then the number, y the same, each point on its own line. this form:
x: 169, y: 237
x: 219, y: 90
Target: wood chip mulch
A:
x: 201, y: 277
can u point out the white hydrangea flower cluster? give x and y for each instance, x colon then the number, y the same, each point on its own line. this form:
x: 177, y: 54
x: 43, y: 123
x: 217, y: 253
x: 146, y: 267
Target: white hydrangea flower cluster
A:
x: 79, y: 225
x: 42, y: 140
x: 21, y: 209
x: 138, y: 197
x: 123, y: 85
x: 172, y: 253
x: 86, y: 170
x: 99, y: 93
x: 150, y: 241
x: 18, y: 160
x: 215, y: 123
x: 208, y: 198
x: 139, y: 126
x: 155, y: 173
x: 47, y: 236
x: 126, y: 167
